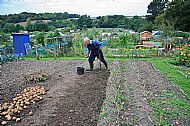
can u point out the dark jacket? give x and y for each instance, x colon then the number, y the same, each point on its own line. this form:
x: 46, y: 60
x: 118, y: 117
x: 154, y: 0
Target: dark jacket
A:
x: 94, y: 47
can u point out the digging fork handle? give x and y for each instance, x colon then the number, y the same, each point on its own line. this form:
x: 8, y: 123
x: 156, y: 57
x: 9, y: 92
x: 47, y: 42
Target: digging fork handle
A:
x: 99, y: 59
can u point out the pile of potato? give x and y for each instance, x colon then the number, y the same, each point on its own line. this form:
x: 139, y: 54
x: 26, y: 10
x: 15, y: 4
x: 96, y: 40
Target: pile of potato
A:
x: 12, y: 110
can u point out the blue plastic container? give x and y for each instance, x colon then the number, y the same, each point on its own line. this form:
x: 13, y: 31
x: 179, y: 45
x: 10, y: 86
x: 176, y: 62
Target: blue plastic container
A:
x: 18, y: 43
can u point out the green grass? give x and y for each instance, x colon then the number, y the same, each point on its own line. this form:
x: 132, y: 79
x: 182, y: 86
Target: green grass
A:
x: 171, y: 72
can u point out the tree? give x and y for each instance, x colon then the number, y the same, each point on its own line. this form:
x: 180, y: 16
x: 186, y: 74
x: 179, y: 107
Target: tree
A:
x: 4, y: 39
x: 40, y: 38
x: 9, y: 28
x: 84, y: 20
x: 164, y: 25
x: 146, y: 26
x: 178, y: 13
x: 28, y: 21
x: 51, y: 28
x: 40, y: 26
x: 18, y: 28
x: 155, y: 8
x: 28, y: 26
x: 135, y: 23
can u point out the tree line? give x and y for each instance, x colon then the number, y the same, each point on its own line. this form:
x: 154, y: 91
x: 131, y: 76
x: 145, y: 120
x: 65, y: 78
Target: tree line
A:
x: 9, y: 23
x: 162, y: 15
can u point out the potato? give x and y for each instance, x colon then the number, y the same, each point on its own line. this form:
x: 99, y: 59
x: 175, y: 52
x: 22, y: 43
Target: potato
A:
x: 18, y: 119
x: 34, y: 95
x: 26, y: 100
x: 25, y: 90
x: 11, y: 107
x: 16, y: 110
x: 27, y: 103
x: 20, y: 97
x: 6, y: 116
x: 5, y: 107
x: 18, y: 94
x: 20, y: 108
x: 30, y: 113
x: 14, y: 118
x: 9, y: 118
x: 4, y: 113
x: 15, y: 99
x: 4, y: 122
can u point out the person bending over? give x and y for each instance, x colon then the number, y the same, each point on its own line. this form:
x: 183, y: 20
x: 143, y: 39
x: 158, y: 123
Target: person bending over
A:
x: 94, y: 50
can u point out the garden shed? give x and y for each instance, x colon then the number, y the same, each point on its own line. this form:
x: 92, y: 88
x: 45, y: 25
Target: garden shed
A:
x: 20, y: 42
x: 145, y: 36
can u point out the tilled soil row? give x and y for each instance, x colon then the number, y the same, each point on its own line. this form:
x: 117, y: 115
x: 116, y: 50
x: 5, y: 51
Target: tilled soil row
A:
x: 139, y: 83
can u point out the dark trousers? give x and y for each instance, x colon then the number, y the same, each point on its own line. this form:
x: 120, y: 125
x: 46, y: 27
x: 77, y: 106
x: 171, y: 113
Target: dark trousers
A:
x: 99, y: 56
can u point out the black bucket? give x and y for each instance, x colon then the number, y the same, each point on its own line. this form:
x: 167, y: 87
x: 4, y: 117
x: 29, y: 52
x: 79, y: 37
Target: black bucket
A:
x: 80, y: 70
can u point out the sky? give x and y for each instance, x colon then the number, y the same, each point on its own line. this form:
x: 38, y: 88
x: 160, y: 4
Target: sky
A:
x: 93, y: 8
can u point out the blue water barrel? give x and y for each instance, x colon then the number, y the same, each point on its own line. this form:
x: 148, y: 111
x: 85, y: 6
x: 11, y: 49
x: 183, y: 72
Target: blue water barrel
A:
x: 19, y: 39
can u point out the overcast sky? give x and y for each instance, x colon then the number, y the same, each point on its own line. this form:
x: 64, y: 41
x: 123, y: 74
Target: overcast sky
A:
x: 93, y: 8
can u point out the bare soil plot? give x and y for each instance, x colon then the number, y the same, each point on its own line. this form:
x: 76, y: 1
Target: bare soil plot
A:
x: 71, y: 99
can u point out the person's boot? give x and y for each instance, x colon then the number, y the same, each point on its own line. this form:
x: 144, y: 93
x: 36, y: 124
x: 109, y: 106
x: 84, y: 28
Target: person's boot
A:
x: 106, y: 65
x: 91, y: 67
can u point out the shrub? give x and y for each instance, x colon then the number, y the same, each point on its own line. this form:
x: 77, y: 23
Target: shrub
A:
x: 183, y: 55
